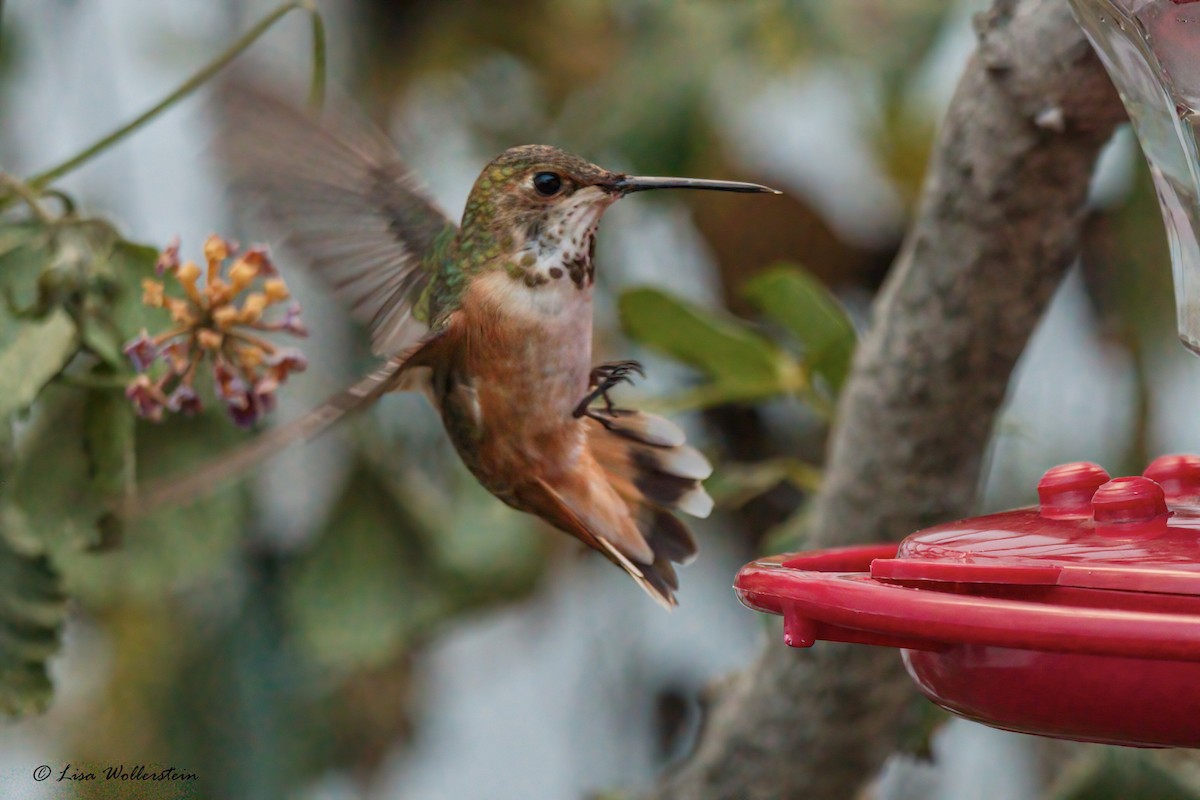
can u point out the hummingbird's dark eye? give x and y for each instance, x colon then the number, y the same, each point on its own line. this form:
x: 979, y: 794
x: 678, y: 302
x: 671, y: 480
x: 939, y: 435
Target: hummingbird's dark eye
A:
x: 547, y: 184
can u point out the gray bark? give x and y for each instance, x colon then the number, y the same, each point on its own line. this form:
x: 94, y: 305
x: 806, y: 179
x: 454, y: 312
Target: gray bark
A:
x: 997, y: 226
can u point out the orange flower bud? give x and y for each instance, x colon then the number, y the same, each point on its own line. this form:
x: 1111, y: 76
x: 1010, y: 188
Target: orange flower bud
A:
x: 250, y: 357
x: 225, y: 317
x: 181, y: 313
x: 187, y: 276
x: 241, y: 274
x: 188, y: 273
x: 209, y: 339
x: 253, y: 306
x: 218, y: 293
x: 276, y: 290
x: 216, y: 250
x: 152, y: 293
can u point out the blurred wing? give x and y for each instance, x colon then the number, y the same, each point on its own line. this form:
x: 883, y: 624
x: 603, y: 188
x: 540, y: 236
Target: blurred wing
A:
x: 208, y: 476
x: 346, y: 203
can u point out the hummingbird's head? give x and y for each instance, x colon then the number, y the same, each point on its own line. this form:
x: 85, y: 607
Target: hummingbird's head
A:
x: 541, y: 206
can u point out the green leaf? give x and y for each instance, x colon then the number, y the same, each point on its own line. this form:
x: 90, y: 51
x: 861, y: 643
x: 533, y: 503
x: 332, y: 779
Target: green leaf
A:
x: 1116, y: 773
x: 86, y: 268
x: 172, y: 547
x: 24, y: 253
x: 802, y: 304
x: 127, y: 265
x: 108, y: 440
x: 32, y: 609
x: 14, y: 236
x: 118, y: 314
x: 832, y: 364
x: 52, y: 270
x: 742, y: 364
x: 58, y: 504
x: 31, y: 354
x: 98, y: 335
x: 51, y: 502
x: 108, y: 424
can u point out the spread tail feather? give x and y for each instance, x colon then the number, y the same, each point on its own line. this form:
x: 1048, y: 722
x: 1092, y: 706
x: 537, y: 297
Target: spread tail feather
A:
x: 209, y: 476
x: 648, y: 462
x: 655, y: 473
x: 671, y: 543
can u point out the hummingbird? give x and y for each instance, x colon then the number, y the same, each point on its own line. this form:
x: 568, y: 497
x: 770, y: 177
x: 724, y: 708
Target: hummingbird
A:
x: 490, y: 318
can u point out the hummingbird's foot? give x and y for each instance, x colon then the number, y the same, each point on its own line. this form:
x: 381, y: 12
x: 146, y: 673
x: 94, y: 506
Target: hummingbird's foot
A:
x: 603, y: 378
x: 612, y: 373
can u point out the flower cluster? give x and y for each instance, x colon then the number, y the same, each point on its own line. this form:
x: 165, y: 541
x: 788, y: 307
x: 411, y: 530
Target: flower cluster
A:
x: 219, y: 320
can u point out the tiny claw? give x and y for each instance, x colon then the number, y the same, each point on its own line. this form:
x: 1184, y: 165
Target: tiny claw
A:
x: 603, y: 378
x: 616, y: 372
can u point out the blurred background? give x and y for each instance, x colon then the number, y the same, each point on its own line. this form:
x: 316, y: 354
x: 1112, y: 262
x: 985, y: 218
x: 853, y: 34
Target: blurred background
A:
x: 361, y: 620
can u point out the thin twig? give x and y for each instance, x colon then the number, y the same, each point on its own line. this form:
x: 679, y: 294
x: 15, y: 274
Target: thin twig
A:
x: 196, y: 81
x: 28, y: 195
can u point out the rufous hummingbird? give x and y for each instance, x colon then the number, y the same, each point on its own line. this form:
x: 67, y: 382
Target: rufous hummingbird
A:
x: 491, y: 318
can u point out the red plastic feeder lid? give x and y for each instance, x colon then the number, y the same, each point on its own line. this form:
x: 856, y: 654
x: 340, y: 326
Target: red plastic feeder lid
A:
x: 1079, y: 617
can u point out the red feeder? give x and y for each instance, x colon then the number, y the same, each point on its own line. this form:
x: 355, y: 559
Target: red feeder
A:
x: 1078, y: 618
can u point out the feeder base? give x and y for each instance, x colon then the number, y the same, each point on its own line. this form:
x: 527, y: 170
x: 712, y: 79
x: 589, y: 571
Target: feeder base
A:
x: 1106, y: 699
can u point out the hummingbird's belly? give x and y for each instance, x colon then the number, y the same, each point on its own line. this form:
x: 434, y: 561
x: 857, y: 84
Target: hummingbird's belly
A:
x: 508, y: 408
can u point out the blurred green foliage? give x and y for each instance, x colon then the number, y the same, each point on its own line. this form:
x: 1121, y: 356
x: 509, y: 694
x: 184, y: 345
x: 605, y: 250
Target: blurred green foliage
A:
x: 50, y: 499
x: 385, y: 556
x: 805, y: 308
x: 740, y: 363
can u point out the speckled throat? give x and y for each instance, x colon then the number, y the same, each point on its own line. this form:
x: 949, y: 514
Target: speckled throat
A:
x: 559, y: 244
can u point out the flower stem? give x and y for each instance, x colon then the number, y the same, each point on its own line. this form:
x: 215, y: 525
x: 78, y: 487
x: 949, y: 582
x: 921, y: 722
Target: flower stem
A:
x: 196, y: 81
x: 171, y: 334
x: 252, y: 340
x: 26, y: 193
x: 190, y: 375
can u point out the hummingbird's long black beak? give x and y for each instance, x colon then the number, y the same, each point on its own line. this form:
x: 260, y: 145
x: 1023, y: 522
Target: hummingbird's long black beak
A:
x: 628, y: 184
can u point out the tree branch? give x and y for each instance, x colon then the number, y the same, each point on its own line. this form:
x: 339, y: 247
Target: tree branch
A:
x: 997, y: 227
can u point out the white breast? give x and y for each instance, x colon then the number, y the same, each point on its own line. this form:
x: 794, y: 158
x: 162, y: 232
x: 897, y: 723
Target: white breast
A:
x: 554, y: 304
